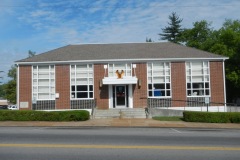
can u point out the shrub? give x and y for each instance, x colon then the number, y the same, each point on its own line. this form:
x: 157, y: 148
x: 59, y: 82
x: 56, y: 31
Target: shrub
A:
x: 211, y: 117
x: 6, y: 115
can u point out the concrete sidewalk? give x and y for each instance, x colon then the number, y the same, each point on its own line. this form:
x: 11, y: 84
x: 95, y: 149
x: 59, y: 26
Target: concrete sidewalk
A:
x: 115, y: 122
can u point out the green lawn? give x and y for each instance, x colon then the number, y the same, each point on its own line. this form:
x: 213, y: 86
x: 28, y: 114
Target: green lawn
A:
x: 168, y: 118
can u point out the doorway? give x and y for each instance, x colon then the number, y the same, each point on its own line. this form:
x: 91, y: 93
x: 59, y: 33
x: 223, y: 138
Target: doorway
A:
x: 120, y: 94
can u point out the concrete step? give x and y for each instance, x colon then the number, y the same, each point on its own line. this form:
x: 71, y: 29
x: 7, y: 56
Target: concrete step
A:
x: 120, y: 113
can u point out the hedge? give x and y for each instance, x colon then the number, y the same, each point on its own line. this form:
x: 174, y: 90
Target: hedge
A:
x: 211, y: 117
x: 26, y: 115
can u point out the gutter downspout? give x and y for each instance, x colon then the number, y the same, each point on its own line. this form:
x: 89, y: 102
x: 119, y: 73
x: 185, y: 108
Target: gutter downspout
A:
x: 224, y: 83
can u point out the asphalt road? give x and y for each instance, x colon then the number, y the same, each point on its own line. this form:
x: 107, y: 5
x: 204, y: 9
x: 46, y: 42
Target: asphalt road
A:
x: 97, y: 143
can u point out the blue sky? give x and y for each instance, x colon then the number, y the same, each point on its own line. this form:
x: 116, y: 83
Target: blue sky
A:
x: 42, y: 25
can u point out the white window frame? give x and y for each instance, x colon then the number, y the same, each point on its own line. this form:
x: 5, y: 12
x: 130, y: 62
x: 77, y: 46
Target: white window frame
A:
x: 166, y: 91
x: 112, y: 68
x: 204, y: 87
x: 37, y: 78
x: 76, y: 79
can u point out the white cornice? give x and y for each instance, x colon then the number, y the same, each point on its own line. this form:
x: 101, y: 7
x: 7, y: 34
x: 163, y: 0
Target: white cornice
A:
x: 121, y: 60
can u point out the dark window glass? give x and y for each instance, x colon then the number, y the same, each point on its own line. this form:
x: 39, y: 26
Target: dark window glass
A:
x: 206, y: 85
x: 82, y: 94
x: 82, y: 88
x: 150, y: 93
x: 207, y: 92
x: 163, y: 93
x: 73, y: 88
x: 90, y: 87
x: 149, y: 86
x: 73, y: 94
x: 90, y: 94
x: 168, y: 93
x: 189, y: 86
x: 159, y: 86
x: 168, y: 85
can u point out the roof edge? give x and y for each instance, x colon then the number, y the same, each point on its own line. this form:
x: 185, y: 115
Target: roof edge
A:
x: 117, y: 60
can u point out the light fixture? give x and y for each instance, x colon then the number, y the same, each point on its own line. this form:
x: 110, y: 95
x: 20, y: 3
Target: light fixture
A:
x: 134, y: 67
x: 139, y: 83
x: 105, y: 68
x: 100, y: 83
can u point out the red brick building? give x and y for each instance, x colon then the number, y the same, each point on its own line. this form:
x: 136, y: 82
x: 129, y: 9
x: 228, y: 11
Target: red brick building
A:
x: 128, y: 75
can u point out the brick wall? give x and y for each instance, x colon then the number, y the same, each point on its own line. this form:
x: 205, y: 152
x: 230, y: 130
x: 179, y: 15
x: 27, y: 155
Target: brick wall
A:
x: 62, y: 74
x: 25, y: 85
x: 178, y: 78
x: 140, y: 93
x: 100, y: 93
x: 217, y: 83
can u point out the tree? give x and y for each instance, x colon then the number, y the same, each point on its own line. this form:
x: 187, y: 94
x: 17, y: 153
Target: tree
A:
x: 149, y: 40
x: 173, y: 31
x: 200, y: 36
x: 226, y: 42
x: 10, y: 87
x: 2, y: 91
x: 31, y: 53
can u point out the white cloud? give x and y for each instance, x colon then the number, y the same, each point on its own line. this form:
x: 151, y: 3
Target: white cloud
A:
x: 59, y: 22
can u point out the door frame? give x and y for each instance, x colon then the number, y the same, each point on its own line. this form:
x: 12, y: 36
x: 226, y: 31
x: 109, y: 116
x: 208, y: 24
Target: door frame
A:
x: 128, y: 97
x: 125, y: 96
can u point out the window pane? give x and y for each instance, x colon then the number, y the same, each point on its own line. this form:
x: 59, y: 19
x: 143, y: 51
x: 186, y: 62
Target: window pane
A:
x: 73, y: 88
x: 197, y: 79
x: 159, y: 86
x: 168, y: 93
x: 167, y: 79
x: 188, y: 79
x: 207, y: 92
x: 150, y: 93
x: 159, y: 76
x: 43, y: 75
x: 82, y: 88
x: 149, y: 73
x: 168, y: 85
x: 43, y: 68
x: 82, y: 94
x: 206, y: 85
x: 34, y: 89
x: 73, y: 95
x: 44, y: 82
x: 149, y: 86
x: 197, y: 71
x: 196, y: 64
x: 43, y: 96
x: 82, y: 81
x: 167, y: 72
x: 35, y: 82
x: 35, y: 75
x: 157, y: 93
x: 82, y: 74
x: 158, y: 79
x: 90, y: 81
x: 90, y: 94
x: 43, y: 89
x: 90, y: 88
x: 81, y: 67
x: 149, y: 80
x: 188, y: 85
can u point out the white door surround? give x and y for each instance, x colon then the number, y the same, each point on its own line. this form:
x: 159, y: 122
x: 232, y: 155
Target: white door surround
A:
x: 120, y: 96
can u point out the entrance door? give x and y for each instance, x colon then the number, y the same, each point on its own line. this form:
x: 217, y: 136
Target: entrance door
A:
x: 120, y: 97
